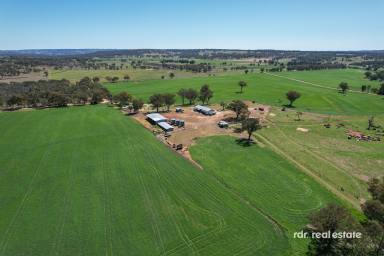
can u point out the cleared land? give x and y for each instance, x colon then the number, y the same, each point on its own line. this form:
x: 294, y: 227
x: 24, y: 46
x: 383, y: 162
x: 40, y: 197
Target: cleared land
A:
x: 91, y: 181
x: 266, y: 89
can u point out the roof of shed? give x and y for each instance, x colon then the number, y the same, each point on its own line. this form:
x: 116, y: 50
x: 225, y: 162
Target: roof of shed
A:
x: 156, y: 117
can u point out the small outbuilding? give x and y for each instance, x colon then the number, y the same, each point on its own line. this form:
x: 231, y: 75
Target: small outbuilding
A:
x: 156, y: 118
x: 165, y: 126
x: 204, y: 110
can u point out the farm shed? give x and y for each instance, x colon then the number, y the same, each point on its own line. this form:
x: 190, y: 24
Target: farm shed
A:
x: 204, y: 110
x: 156, y: 118
x: 165, y: 126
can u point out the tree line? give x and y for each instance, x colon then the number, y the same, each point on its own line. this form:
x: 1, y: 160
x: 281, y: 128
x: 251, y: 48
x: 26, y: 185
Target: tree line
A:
x: 344, y: 87
x: 51, y: 93
x: 377, y: 75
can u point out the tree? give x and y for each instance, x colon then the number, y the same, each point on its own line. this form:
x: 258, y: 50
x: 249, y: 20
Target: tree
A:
x: 344, y: 87
x: 244, y: 114
x: 299, y: 114
x: 238, y: 106
x: 46, y: 73
x: 171, y: 75
x: 182, y: 92
x: 374, y: 210
x: 242, y: 84
x: 14, y: 101
x: 162, y: 77
x: 374, y: 231
x: 81, y: 97
x: 381, y: 89
x: 157, y: 101
x: 85, y: 81
x: 250, y: 125
x: 368, y: 74
x: 122, y: 98
x: 191, y: 95
x: 137, y: 104
x: 98, y: 94
x: 223, y: 105
x: 96, y: 79
x: 371, y: 123
x: 376, y: 189
x: 115, y: 79
x: 108, y: 78
x: 363, y: 88
x: 127, y: 77
x: 246, y: 71
x: 332, y: 218
x: 205, y: 93
x: 169, y: 99
x: 292, y: 96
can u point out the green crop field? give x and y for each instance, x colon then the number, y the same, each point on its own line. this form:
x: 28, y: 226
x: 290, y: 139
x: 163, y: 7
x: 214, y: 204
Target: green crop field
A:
x: 263, y: 88
x: 333, y: 77
x: 264, y: 180
x: 91, y: 181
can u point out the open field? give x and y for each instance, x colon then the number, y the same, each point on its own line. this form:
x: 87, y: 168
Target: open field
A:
x: 89, y: 180
x: 332, y: 77
x: 344, y: 164
x: 263, y: 88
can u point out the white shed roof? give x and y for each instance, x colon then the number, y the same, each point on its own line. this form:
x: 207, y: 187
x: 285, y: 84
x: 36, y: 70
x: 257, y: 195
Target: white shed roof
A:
x: 156, y: 117
x: 203, y: 108
x: 165, y: 126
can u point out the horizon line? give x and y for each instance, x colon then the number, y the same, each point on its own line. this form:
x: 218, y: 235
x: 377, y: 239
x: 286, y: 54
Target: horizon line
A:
x: 230, y: 49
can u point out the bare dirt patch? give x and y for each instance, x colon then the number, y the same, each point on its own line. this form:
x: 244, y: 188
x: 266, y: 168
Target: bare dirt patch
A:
x: 300, y: 129
x: 198, y: 125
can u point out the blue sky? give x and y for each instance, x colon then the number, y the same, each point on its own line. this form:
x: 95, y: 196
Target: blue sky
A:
x: 241, y: 24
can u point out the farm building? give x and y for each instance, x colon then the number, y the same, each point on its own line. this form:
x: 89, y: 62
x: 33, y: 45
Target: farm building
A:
x: 204, y: 110
x: 156, y: 118
x: 165, y: 126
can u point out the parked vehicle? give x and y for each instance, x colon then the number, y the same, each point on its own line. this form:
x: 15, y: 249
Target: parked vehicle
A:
x: 222, y: 124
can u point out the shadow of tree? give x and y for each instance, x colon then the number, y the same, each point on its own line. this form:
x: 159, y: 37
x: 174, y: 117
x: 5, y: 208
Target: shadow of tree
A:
x: 244, y: 142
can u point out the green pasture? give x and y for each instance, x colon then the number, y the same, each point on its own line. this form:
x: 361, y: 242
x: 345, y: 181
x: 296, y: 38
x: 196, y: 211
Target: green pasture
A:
x: 91, y: 181
x: 344, y: 164
x: 262, y: 88
x: 332, y: 77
